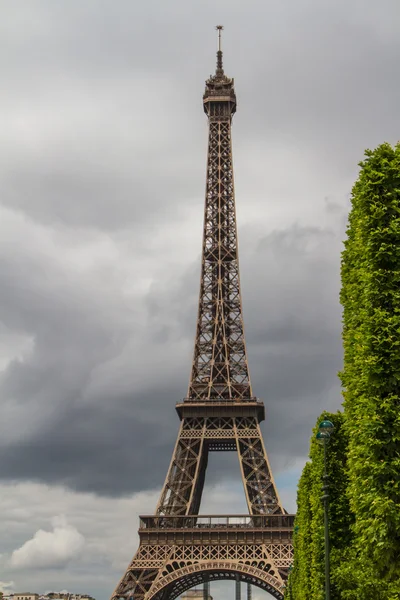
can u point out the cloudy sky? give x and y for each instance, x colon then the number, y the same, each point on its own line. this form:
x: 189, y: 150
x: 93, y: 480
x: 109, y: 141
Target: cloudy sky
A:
x: 102, y: 168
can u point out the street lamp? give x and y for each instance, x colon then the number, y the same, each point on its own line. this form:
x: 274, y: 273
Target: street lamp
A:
x: 290, y: 569
x: 323, y: 436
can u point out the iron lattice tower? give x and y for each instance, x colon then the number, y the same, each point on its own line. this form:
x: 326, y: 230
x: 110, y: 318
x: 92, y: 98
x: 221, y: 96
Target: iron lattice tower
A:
x: 178, y: 548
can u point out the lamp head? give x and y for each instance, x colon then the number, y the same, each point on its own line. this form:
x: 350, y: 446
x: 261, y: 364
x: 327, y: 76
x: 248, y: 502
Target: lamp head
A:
x: 323, y: 437
x: 326, y: 425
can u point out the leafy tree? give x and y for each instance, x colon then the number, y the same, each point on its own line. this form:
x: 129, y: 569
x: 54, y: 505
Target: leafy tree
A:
x: 370, y: 297
x: 299, y: 579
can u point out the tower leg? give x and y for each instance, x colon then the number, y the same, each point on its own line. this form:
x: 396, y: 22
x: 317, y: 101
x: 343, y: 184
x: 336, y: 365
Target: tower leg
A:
x: 261, y: 493
x: 182, y: 489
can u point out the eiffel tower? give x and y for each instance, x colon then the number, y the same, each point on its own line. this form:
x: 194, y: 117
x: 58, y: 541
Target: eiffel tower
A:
x: 178, y: 547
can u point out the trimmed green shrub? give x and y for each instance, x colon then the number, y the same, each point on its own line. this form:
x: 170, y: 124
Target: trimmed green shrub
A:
x: 370, y: 297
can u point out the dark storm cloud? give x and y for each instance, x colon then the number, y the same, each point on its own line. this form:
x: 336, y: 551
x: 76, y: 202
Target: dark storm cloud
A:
x: 103, y: 153
x: 117, y: 439
x: 108, y: 451
x: 81, y: 407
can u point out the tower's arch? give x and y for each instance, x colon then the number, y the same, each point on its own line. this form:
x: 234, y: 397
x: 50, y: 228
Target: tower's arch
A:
x: 181, y: 579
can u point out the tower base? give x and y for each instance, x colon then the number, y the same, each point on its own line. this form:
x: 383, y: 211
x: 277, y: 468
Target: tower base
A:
x: 177, y: 553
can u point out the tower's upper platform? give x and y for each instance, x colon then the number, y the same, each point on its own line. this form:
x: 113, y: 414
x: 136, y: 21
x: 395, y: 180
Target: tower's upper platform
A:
x: 219, y: 87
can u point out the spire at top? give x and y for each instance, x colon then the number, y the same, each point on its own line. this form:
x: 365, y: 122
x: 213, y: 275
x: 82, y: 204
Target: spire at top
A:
x: 220, y: 69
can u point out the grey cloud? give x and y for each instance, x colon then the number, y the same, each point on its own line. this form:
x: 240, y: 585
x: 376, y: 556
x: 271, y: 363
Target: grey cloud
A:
x: 318, y: 77
x: 109, y: 426
x: 107, y: 451
x: 79, y: 408
x: 78, y: 196
x: 107, y: 524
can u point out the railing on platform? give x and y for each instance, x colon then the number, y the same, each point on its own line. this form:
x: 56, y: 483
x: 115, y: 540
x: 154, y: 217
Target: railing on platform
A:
x: 218, y: 522
x: 207, y: 401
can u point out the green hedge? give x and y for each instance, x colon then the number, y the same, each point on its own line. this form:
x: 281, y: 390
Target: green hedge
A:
x: 364, y: 453
x: 370, y: 297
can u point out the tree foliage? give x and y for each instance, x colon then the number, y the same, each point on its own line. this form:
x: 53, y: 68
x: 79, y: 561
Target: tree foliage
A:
x: 370, y: 297
x: 364, y: 456
x: 299, y: 579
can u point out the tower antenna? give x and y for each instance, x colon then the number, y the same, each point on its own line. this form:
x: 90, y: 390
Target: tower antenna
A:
x: 220, y: 69
x: 219, y: 28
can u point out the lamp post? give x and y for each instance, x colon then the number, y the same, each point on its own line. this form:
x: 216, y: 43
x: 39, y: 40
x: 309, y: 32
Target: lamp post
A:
x: 323, y: 436
x: 290, y: 569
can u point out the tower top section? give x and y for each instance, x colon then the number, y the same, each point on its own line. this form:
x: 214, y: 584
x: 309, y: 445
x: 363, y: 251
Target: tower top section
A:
x: 220, y: 371
x: 219, y: 88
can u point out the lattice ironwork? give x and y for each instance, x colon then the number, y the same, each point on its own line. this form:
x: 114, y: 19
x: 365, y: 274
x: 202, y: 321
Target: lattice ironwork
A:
x: 197, y: 437
x: 178, y: 547
x: 176, y: 553
x: 220, y: 369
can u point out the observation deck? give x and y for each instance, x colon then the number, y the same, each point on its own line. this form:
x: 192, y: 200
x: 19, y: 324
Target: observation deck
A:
x: 217, y: 529
x: 242, y: 407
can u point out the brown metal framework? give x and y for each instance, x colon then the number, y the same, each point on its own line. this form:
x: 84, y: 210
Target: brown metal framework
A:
x: 178, y: 548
